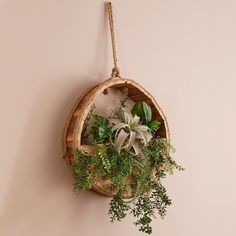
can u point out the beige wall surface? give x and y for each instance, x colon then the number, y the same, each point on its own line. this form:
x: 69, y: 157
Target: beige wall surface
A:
x: 183, y: 52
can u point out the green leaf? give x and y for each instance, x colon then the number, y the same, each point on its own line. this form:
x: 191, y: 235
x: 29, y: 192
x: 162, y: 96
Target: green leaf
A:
x: 143, y: 110
x: 147, y: 112
x: 100, y: 131
x: 138, y: 110
x: 154, y: 125
x: 100, y: 120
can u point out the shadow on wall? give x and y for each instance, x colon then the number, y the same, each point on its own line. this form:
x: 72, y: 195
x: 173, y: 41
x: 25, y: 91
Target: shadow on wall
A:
x: 40, y: 192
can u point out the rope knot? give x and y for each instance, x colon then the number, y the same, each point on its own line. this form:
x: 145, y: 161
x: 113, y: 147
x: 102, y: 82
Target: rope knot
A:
x: 115, y: 72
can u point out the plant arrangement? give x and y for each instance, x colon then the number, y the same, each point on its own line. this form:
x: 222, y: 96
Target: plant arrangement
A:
x: 132, y: 159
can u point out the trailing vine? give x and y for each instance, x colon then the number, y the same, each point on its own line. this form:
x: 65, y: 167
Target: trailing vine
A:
x: 133, y: 160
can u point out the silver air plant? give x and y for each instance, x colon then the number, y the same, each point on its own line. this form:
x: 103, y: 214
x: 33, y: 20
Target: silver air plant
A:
x: 129, y: 133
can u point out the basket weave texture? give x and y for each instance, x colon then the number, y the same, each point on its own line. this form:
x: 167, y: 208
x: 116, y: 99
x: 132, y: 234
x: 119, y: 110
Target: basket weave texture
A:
x: 74, y: 125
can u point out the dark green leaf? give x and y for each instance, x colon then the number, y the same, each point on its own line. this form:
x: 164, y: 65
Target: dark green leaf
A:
x: 138, y: 110
x: 144, y: 111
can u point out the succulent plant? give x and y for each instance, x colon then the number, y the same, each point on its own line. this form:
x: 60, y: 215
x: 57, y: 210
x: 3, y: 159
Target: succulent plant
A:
x: 129, y: 132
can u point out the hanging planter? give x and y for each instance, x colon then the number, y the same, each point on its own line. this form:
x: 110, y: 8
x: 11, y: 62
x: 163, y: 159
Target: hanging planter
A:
x: 129, y: 152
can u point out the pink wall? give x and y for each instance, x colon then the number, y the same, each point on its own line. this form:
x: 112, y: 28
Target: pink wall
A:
x: 182, y: 51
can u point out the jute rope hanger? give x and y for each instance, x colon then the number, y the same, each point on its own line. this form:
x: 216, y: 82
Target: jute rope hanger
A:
x: 115, y: 71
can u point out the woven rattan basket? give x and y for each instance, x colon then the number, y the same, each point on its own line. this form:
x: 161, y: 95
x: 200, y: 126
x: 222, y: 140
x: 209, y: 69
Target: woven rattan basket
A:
x: 75, y: 124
